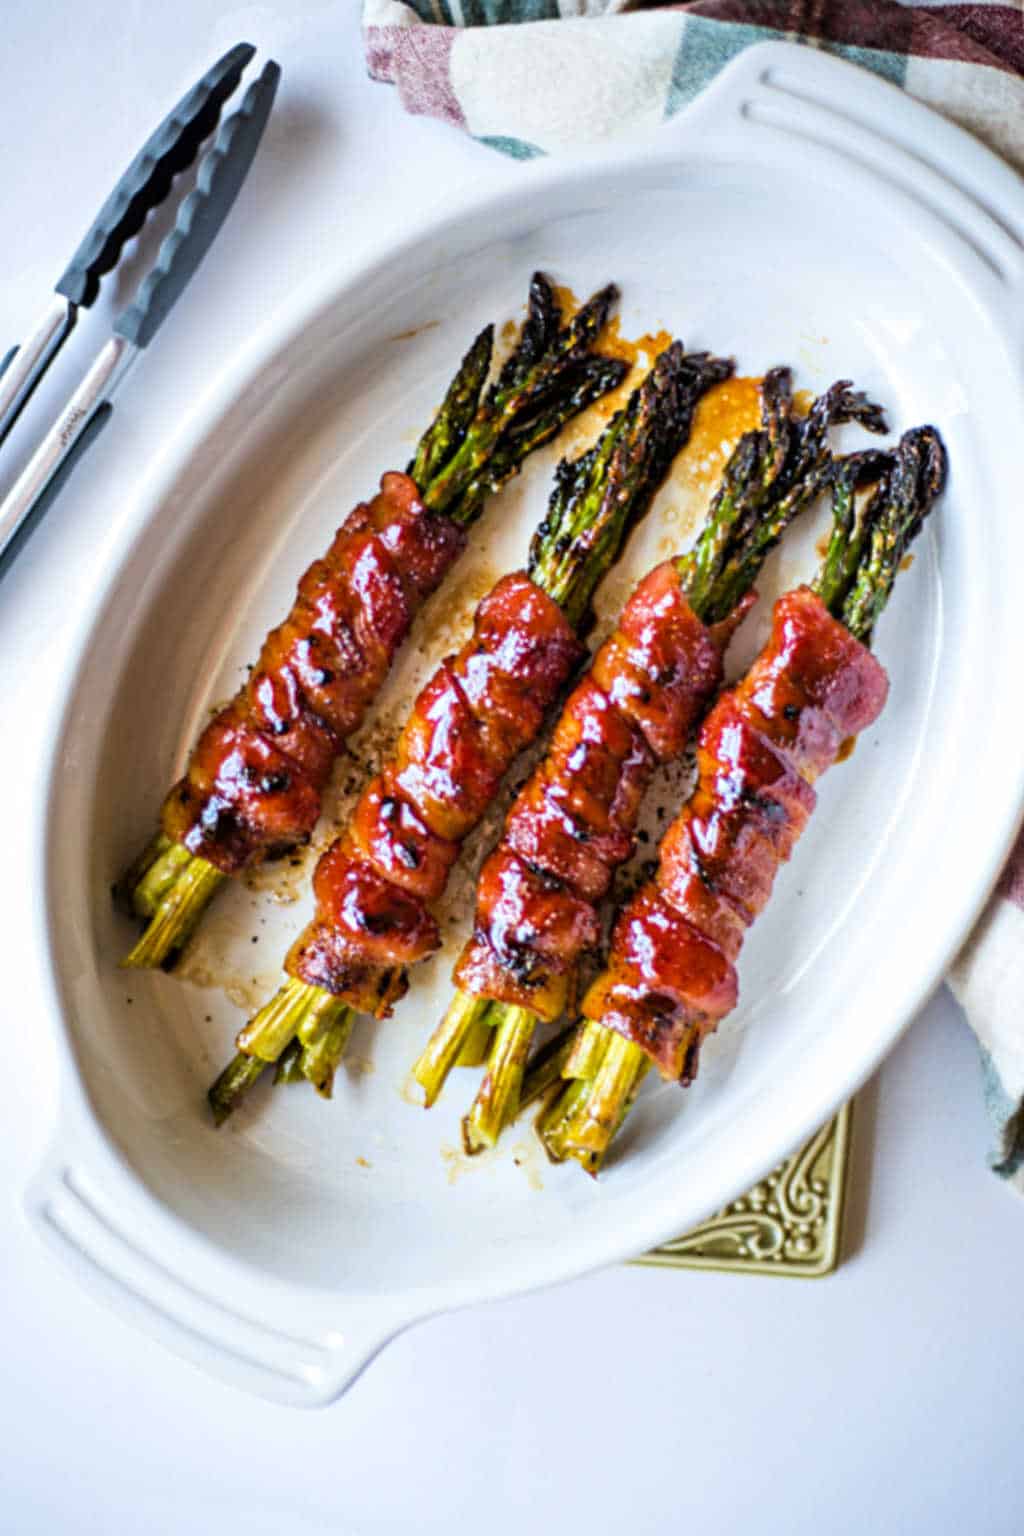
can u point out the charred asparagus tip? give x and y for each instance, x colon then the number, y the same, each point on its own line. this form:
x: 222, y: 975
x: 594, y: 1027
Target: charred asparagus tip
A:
x: 497, y: 1102
x: 176, y: 916
x: 233, y: 1084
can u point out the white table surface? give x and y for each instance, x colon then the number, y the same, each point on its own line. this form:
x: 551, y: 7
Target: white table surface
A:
x: 886, y: 1397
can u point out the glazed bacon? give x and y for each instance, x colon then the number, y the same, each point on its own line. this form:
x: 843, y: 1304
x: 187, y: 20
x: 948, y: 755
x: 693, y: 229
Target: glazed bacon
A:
x: 573, y: 823
x: 477, y: 712
x: 671, y: 973
x: 254, y: 783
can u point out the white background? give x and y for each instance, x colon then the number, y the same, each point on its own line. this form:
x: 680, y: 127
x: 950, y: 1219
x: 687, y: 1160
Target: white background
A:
x: 888, y: 1396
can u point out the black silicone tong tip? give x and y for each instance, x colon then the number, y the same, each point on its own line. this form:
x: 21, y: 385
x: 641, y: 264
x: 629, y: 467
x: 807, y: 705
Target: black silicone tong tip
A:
x: 148, y: 179
x: 223, y: 170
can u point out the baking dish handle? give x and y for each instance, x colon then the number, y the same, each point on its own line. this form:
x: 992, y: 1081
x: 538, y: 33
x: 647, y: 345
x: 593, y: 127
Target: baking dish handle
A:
x: 804, y: 97
x: 299, y: 1367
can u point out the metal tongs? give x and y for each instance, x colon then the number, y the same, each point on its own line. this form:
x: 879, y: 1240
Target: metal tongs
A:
x: 143, y: 187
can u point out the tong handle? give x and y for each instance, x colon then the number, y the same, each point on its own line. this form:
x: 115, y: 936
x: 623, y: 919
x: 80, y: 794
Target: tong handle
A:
x: 148, y: 179
x: 12, y: 538
x: 221, y: 174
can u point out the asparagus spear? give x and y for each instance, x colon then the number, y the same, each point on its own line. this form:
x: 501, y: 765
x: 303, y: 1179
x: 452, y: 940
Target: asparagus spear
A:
x: 596, y: 499
x: 771, y: 475
x: 854, y: 582
x: 475, y: 443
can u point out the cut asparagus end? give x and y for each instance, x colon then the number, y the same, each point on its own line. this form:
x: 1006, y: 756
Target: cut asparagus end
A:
x: 321, y: 1054
x: 176, y: 916
x: 581, y: 1121
x: 546, y: 1067
x: 464, y: 1017
x: 288, y: 1068
x: 295, y: 1009
x: 158, y: 878
x: 233, y: 1084
x: 126, y: 884
x: 477, y: 1044
x: 599, y: 1115
x: 552, y: 1120
x: 588, y: 1050
x: 497, y: 1102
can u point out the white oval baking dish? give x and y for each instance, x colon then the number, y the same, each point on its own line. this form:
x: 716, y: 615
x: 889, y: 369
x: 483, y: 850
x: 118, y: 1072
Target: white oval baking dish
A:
x: 800, y: 211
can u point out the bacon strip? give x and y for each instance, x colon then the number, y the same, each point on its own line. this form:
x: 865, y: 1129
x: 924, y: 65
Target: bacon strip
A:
x: 254, y: 783
x: 671, y: 974
x: 574, y: 821
x: 477, y: 712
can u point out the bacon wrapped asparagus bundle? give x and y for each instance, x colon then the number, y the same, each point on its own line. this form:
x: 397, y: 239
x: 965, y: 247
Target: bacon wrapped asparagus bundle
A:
x: 670, y: 975
x: 373, y: 886
x: 253, y: 786
x: 573, y: 824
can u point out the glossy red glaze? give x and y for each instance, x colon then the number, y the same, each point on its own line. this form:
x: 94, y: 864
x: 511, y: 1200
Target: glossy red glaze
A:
x: 315, y: 678
x: 758, y: 752
x: 479, y: 709
x: 573, y: 823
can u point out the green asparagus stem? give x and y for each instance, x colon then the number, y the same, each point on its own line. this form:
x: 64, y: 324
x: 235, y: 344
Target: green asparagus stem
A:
x: 158, y: 879
x: 854, y: 581
x: 447, y: 1043
x: 545, y: 1067
x: 176, y: 915
x: 233, y: 1084
x: 498, y: 1099
x: 319, y: 1058
x: 448, y: 429
x: 296, y: 1011
x: 475, y: 443
x: 288, y: 1069
x: 589, y: 381
x: 772, y: 474
x: 476, y: 1045
x: 596, y: 499
x: 514, y: 401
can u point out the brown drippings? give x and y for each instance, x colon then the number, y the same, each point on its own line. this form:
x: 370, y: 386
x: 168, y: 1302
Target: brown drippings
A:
x: 720, y: 420
x: 417, y: 330
x: 906, y: 562
x: 364, y: 1162
x: 202, y: 969
x: 285, y: 880
x: 449, y: 621
x: 647, y: 347
x: 524, y: 1157
x: 457, y: 1162
x: 638, y: 352
x: 846, y: 750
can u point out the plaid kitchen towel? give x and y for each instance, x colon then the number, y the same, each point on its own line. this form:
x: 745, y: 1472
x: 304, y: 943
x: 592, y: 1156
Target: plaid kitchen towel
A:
x: 532, y: 77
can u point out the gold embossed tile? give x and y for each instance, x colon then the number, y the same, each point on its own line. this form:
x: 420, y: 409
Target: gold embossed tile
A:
x: 788, y: 1224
